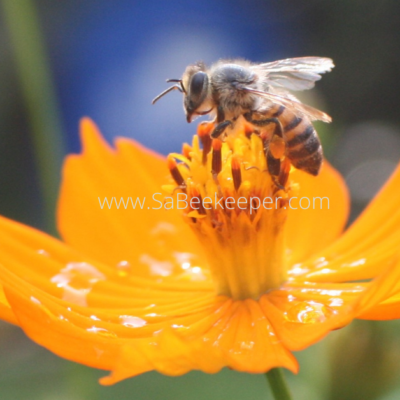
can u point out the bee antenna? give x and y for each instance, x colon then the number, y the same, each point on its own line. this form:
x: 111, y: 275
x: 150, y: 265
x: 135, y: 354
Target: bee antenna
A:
x: 170, y: 89
x: 177, y: 81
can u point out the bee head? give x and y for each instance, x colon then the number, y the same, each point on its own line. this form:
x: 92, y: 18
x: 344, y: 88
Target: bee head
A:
x: 196, y: 85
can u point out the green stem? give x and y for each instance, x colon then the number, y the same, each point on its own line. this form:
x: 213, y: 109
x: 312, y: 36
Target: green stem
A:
x: 36, y: 83
x: 278, y: 384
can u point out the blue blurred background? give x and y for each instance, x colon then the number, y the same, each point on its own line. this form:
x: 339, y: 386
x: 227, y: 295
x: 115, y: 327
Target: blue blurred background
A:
x: 109, y: 59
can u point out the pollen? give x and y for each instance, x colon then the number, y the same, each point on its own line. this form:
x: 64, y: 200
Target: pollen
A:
x: 235, y: 208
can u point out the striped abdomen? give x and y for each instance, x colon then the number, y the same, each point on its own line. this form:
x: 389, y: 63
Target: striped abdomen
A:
x: 303, y: 147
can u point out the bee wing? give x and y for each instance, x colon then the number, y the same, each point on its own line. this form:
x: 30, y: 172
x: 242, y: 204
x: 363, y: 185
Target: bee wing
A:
x: 292, y: 103
x: 294, y: 73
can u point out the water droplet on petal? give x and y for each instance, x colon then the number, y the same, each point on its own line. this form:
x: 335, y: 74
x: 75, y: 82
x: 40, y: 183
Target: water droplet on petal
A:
x: 182, y: 258
x: 308, y: 313
x: 298, y: 269
x: 123, y: 268
x: 247, y: 345
x: 77, y: 279
x: 186, y: 265
x: 124, y: 264
x: 193, y: 274
x: 157, y: 267
x: 132, y: 322
x: 35, y: 300
x: 336, y: 302
x: 101, y: 331
x: 357, y: 263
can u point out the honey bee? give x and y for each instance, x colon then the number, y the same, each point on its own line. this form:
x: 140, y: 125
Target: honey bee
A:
x: 260, y: 93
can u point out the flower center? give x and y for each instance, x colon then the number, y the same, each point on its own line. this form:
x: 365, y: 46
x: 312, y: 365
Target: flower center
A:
x: 236, y: 209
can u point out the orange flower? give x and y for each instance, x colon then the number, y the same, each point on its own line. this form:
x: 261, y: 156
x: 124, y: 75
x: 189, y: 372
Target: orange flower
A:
x: 132, y: 290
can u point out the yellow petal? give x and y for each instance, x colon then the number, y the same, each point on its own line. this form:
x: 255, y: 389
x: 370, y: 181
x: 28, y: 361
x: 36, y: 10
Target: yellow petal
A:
x: 317, y: 214
x: 84, y: 311
x: 143, y: 237
x: 6, y: 312
x: 367, y: 247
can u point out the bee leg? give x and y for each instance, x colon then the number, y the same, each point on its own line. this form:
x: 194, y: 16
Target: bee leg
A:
x: 220, y: 114
x: 274, y: 167
x: 220, y: 128
x: 274, y: 164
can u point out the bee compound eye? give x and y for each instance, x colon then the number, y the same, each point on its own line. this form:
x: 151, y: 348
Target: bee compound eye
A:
x: 198, y: 84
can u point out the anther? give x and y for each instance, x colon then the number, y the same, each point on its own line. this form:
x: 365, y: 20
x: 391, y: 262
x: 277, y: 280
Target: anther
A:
x: 205, y: 128
x: 204, y: 131
x: 216, y: 162
x: 236, y: 172
x: 176, y: 175
x: 249, y: 130
x: 196, y: 201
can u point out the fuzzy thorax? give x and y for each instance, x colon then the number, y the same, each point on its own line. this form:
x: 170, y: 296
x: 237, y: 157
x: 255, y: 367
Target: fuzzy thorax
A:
x: 235, y: 209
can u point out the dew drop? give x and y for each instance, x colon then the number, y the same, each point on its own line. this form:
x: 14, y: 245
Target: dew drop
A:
x: 101, y: 331
x: 308, y: 313
x: 132, y: 322
x: 123, y: 268
x: 43, y: 252
x: 336, y: 302
x: 35, y: 300
x: 358, y: 263
x: 162, y: 268
x: 247, y: 345
x: 124, y: 264
x: 193, y: 274
x: 182, y: 258
x: 77, y: 279
x: 186, y: 265
x: 298, y: 270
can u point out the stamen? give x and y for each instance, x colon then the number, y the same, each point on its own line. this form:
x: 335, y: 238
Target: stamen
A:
x: 175, y: 173
x: 216, y: 163
x: 195, y: 200
x: 236, y: 172
x: 237, y: 208
x: 249, y: 130
x: 186, y: 150
x: 204, y: 133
